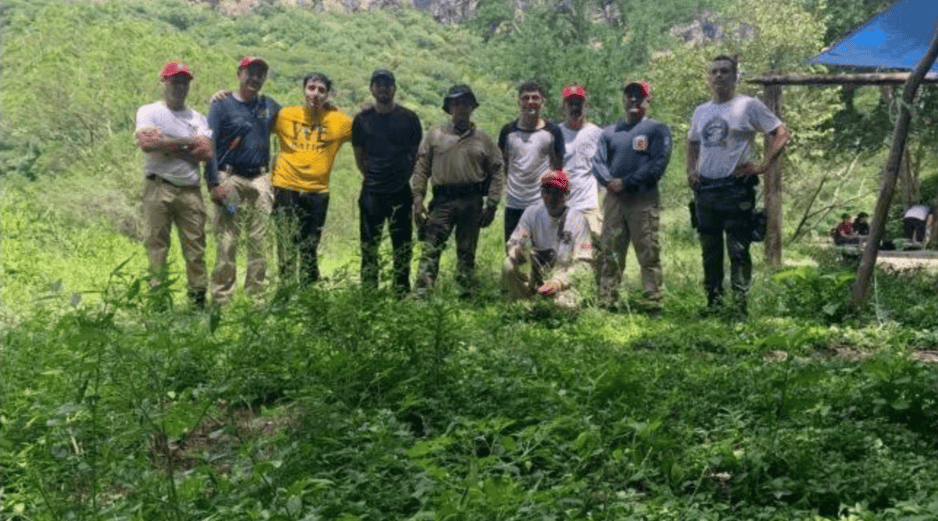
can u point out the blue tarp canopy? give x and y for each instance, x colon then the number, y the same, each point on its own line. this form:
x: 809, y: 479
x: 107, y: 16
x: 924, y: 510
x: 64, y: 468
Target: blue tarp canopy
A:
x: 896, y: 38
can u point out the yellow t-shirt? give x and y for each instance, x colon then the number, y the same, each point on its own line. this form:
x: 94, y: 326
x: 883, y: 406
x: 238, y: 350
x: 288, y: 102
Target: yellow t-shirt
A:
x: 308, y: 148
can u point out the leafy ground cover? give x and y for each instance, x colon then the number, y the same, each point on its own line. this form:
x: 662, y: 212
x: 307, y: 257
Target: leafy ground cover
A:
x: 332, y: 404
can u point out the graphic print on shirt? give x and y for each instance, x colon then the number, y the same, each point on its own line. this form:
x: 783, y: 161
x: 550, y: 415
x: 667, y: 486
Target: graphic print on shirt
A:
x: 585, y: 149
x: 640, y: 143
x: 310, y: 143
x: 715, y: 132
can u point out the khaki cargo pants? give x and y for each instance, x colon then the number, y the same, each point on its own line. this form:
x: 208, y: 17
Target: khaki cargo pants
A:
x: 255, y: 202
x: 163, y: 205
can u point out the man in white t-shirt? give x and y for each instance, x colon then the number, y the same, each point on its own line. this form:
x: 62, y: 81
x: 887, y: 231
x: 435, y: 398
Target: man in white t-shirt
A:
x: 915, y: 223
x: 722, y: 175
x: 580, y: 137
x: 552, y: 242
x: 176, y: 139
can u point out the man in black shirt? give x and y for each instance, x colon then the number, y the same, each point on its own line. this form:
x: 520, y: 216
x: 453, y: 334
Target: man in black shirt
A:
x: 385, y: 139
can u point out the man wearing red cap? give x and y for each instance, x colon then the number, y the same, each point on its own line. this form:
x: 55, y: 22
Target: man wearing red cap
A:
x: 554, y: 241
x: 465, y: 170
x: 580, y: 139
x: 531, y: 146
x: 630, y: 159
x: 176, y: 139
x: 241, y: 124
x: 723, y: 177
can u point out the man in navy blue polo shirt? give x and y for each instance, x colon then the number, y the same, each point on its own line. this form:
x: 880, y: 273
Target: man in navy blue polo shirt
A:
x: 631, y: 157
x: 241, y: 125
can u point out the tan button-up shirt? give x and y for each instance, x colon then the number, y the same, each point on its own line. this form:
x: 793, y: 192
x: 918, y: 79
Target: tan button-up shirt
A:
x: 446, y: 158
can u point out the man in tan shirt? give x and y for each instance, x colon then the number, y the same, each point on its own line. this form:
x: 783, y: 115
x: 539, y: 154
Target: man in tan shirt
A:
x: 464, y: 167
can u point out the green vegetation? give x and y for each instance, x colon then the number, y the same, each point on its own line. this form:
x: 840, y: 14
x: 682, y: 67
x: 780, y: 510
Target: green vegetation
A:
x: 333, y: 404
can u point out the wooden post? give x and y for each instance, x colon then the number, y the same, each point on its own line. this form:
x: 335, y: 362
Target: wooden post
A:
x: 865, y: 272
x: 909, y: 181
x: 772, y: 189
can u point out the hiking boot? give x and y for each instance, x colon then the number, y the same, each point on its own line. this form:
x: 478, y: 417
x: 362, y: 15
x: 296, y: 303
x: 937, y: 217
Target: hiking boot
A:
x: 197, y: 298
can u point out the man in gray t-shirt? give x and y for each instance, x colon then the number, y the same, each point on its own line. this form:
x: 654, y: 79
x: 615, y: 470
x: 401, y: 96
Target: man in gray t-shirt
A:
x: 531, y: 146
x: 723, y: 177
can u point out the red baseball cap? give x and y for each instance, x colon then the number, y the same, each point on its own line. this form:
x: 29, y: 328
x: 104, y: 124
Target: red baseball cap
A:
x: 557, y: 179
x: 641, y: 85
x: 174, y: 69
x: 574, y: 91
x: 247, y: 61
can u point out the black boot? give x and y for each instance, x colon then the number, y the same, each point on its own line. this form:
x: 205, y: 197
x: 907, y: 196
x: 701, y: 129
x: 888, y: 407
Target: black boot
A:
x: 197, y: 298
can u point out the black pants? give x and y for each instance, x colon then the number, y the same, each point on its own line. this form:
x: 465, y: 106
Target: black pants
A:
x: 735, y: 224
x: 913, y: 229
x: 512, y: 218
x: 446, y: 213
x: 300, y: 217
x: 375, y: 209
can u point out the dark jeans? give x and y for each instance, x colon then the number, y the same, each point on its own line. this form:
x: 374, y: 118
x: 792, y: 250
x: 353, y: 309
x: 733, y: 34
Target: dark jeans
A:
x: 913, y: 229
x: 300, y: 217
x: 512, y: 218
x: 396, y: 208
x: 713, y: 224
x: 463, y: 213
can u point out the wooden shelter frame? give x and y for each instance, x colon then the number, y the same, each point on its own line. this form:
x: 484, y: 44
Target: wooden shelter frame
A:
x: 772, y: 85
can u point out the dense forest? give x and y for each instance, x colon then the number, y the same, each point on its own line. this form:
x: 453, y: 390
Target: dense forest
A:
x: 337, y: 403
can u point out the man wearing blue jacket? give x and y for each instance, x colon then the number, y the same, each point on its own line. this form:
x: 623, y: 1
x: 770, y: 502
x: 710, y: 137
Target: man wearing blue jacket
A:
x: 630, y: 159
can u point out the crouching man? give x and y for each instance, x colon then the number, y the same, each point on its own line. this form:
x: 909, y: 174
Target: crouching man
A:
x: 550, y: 252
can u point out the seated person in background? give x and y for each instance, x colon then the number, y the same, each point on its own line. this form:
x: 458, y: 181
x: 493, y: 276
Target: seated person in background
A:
x: 913, y: 223
x: 860, y: 226
x: 555, y: 240
x: 843, y: 233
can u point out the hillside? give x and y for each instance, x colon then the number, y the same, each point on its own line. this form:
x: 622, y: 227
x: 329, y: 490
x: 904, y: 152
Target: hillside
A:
x: 334, y: 403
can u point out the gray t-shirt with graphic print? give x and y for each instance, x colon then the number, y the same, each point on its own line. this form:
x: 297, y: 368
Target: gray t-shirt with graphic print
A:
x: 725, y: 132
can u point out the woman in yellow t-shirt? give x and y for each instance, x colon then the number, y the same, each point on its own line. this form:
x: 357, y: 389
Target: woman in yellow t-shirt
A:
x: 310, y: 137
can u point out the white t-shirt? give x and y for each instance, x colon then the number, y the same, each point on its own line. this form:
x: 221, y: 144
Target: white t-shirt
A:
x: 919, y: 211
x: 572, y: 244
x: 725, y: 132
x: 174, y: 124
x: 579, y: 148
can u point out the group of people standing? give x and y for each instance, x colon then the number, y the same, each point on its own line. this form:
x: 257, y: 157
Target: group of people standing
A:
x: 550, y: 175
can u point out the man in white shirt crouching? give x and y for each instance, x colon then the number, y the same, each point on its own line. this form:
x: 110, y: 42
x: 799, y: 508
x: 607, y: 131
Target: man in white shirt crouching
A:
x: 550, y: 252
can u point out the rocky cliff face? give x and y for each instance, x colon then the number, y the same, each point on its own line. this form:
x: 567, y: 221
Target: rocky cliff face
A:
x: 445, y: 11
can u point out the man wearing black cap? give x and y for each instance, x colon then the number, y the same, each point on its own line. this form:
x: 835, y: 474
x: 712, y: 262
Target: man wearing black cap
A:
x: 241, y: 124
x: 176, y: 139
x: 631, y: 157
x: 465, y: 169
x: 385, y: 138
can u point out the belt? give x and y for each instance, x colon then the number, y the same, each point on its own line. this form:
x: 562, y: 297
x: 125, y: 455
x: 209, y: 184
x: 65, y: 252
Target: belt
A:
x: 718, y: 183
x: 247, y: 172
x: 154, y: 177
x: 468, y: 190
